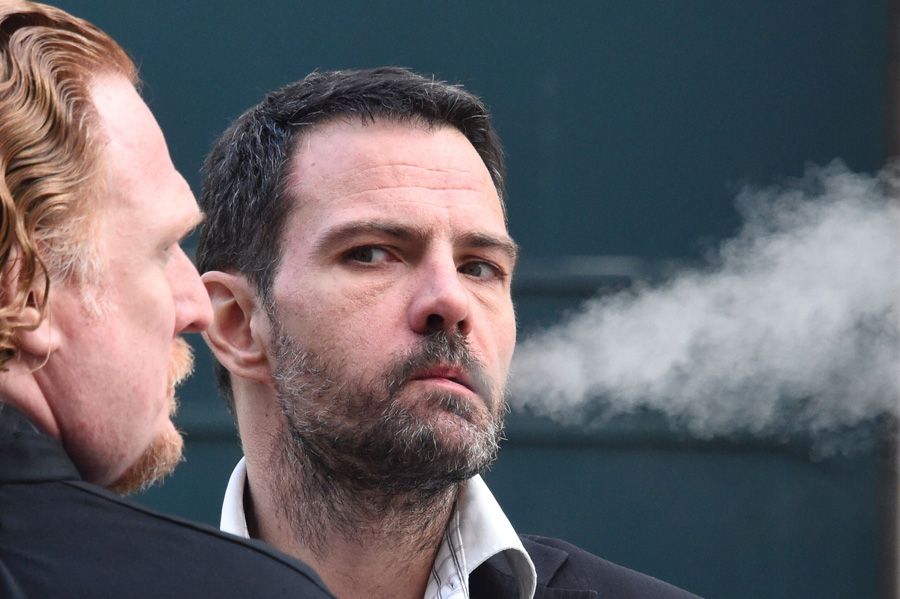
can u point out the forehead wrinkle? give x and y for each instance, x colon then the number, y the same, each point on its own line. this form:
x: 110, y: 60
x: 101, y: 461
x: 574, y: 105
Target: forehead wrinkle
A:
x: 422, y: 202
x: 402, y: 175
x: 362, y: 182
x: 418, y: 167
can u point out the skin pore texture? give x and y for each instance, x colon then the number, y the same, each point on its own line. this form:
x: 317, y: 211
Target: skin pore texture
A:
x: 375, y: 382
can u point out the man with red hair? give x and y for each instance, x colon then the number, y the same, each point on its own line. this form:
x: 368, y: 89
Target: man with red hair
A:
x: 95, y: 292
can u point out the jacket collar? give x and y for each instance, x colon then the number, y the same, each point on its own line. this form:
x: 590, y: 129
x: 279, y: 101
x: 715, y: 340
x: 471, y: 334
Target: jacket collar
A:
x: 547, y: 561
x: 495, y: 577
x: 28, y: 455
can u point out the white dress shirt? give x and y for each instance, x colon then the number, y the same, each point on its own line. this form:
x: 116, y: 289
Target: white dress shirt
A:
x: 478, y: 530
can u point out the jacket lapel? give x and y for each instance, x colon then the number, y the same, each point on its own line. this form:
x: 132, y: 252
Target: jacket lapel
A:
x: 494, y: 579
x: 547, y: 561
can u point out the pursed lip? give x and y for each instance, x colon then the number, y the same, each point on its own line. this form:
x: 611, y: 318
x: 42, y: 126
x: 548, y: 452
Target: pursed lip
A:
x: 451, y: 373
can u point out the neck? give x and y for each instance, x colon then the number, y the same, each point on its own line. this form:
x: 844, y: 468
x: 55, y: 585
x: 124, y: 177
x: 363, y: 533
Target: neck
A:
x: 363, y: 542
x: 20, y: 388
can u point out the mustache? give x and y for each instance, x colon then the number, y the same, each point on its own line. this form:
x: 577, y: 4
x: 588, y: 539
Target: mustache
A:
x: 440, y: 349
x: 181, y: 363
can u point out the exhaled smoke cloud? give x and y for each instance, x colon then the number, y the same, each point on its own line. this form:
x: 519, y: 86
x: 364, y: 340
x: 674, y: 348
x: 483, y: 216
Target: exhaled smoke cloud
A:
x: 792, y: 327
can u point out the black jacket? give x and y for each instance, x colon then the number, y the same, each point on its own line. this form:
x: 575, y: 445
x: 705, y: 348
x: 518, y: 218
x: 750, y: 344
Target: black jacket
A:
x: 61, y: 537
x: 567, y: 572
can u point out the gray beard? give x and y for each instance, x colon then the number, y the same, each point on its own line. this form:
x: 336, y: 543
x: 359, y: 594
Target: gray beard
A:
x: 352, y: 454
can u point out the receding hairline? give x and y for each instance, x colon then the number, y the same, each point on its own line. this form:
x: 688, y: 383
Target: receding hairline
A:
x: 288, y: 185
x: 295, y: 185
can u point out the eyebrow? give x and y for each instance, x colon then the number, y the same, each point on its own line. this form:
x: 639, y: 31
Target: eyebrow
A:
x: 480, y: 240
x: 344, y: 233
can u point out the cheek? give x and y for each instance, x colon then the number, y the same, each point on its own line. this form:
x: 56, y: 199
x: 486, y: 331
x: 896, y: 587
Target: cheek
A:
x: 504, y: 331
x: 337, y: 323
x: 309, y: 291
x: 507, y: 346
x: 149, y: 303
x: 367, y: 315
x: 493, y: 344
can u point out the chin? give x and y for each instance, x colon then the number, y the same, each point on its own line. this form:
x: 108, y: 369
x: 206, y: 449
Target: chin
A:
x: 457, y: 410
x: 159, y: 459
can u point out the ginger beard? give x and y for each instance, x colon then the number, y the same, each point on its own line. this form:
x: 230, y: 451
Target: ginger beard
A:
x: 165, y: 451
x: 372, y: 434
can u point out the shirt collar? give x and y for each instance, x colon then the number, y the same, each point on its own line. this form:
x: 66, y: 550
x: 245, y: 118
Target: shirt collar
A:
x: 233, y: 518
x: 484, y: 530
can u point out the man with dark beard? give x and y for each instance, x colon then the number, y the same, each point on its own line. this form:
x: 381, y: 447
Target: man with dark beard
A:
x: 359, y: 266
x: 96, y: 293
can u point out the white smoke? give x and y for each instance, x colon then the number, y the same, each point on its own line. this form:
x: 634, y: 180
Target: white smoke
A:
x: 791, y: 327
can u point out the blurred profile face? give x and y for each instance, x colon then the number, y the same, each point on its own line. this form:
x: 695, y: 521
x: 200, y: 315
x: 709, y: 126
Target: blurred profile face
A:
x: 111, y: 379
x: 393, y: 323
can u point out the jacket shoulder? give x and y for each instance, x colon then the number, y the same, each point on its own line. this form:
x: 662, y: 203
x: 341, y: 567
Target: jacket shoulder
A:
x: 562, y: 565
x: 71, y: 538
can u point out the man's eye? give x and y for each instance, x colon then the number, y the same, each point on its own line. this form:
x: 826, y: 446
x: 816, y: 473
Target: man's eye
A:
x: 369, y: 255
x: 480, y: 270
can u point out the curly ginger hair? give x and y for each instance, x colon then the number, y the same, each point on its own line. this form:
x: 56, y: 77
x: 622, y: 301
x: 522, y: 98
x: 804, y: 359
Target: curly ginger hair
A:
x: 50, y: 156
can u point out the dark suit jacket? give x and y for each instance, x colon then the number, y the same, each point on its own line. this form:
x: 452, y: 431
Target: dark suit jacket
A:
x: 61, y: 537
x: 567, y: 572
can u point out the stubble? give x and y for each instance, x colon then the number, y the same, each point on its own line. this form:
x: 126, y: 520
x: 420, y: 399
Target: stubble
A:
x: 355, y: 451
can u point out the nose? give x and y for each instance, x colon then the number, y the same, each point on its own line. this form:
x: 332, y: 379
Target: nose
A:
x: 193, y: 310
x: 440, y: 301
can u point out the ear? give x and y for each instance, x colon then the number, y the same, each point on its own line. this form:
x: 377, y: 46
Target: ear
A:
x: 236, y: 334
x: 42, y: 337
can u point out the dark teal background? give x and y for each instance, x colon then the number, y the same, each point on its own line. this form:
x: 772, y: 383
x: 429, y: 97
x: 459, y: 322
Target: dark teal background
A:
x: 629, y: 127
